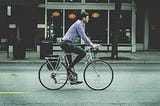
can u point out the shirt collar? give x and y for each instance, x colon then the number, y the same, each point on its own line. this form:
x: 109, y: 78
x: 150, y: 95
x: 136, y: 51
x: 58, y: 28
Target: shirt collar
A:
x: 79, y: 21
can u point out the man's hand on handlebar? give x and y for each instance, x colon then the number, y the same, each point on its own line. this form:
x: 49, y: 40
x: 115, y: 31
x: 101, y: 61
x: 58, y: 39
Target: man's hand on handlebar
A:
x: 96, y: 46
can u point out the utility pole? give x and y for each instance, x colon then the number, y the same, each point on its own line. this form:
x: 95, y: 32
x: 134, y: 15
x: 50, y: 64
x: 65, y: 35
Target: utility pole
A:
x: 116, y: 30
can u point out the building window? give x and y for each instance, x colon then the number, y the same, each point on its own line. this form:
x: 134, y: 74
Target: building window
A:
x: 63, y: 0
x: 54, y: 24
x: 122, y: 1
x: 70, y: 17
x: 96, y: 29
x: 54, y: 0
x: 96, y: 1
x: 125, y: 26
x: 72, y: 0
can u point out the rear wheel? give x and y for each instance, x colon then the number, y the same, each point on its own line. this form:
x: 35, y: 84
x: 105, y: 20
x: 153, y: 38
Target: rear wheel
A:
x: 98, y: 75
x: 52, y: 78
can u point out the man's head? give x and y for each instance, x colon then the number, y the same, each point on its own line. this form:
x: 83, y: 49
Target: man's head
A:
x: 84, y: 16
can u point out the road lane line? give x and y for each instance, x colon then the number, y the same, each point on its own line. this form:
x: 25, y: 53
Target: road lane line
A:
x: 14, y: 92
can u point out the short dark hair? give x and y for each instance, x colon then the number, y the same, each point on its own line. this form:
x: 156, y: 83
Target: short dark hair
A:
x: 83, y: 14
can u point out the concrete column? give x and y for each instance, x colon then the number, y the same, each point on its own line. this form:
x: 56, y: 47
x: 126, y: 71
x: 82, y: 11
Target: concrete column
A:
x: 10, y: 51
x: 146, y: 30
x: 108, y: 27
x: 133, y: 35
x: 45, y: 34
x: 38, y: 50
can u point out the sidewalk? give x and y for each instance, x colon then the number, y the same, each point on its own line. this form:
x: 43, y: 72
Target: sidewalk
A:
x: 124, y: 57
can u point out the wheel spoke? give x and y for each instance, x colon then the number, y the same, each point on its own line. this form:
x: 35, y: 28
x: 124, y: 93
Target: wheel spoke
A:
x: 98, y: 75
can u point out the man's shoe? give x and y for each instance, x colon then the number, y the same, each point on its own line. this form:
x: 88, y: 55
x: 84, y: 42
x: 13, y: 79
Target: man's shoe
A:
x: 75, y: 82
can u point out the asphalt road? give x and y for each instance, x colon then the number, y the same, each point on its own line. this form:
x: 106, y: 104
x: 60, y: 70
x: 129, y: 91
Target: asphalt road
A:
x: 133, y: 85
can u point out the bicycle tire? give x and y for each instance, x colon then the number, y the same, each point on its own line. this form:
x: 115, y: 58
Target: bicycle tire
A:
x: 52, y: 79
x: 98, y: 75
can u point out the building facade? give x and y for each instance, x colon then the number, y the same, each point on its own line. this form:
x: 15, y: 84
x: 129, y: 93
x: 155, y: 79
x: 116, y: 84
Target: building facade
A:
x: 52, y: 18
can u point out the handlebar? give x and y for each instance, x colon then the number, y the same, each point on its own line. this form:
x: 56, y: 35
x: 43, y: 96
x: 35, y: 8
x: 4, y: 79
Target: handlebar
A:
x: 94, y: 50
x: 98, y: 46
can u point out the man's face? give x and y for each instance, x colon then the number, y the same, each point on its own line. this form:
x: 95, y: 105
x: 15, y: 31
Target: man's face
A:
x: 86, y: 19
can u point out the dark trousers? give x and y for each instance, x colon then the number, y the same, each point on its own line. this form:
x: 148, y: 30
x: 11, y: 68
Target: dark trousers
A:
x: 69, y: 47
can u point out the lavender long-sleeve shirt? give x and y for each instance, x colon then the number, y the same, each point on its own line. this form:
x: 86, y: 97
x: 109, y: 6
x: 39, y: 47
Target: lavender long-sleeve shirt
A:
x: 77, y: 29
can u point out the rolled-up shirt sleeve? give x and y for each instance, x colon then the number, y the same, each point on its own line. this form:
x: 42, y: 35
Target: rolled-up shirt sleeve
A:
x: 83, y: 35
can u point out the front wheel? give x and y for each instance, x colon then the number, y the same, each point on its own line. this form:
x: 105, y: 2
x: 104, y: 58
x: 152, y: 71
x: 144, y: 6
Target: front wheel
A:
x: 52, y: 78
x: 98, y: 75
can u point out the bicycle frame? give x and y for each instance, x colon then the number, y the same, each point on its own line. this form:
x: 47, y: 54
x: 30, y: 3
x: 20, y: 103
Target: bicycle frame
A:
x: 92, y: 74
x: 49, y: 62
x: 88, y: 58
x: 63, y: 59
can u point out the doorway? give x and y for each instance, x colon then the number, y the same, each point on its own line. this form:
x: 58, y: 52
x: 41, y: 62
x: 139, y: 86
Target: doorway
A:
x: 154, y: 30
x: 26, y: 21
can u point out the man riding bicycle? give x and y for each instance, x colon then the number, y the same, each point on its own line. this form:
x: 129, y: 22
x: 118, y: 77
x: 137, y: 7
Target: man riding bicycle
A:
x: 75, y: 30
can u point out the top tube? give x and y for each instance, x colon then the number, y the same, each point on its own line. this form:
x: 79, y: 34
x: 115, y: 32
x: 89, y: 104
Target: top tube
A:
x: 89, y: 50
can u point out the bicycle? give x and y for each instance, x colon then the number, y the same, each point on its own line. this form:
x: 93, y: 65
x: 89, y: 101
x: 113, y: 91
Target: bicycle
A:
x: 97, y: 74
